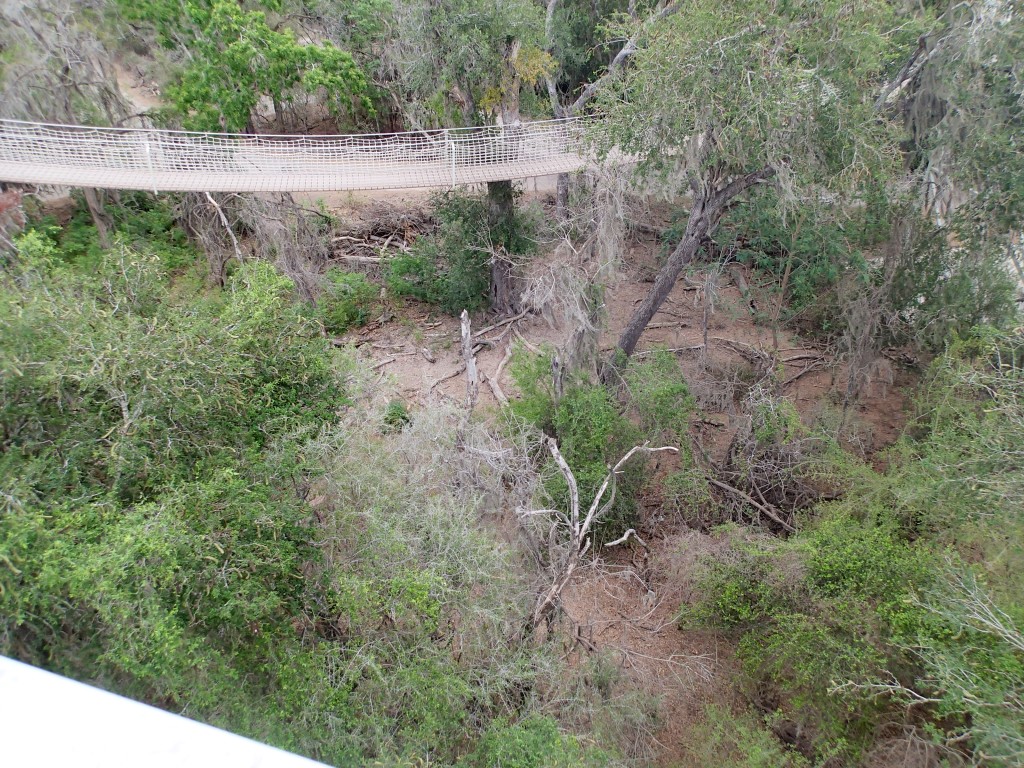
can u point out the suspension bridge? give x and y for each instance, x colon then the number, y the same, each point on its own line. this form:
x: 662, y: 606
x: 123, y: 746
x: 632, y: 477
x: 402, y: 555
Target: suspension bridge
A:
x: 164, y: 161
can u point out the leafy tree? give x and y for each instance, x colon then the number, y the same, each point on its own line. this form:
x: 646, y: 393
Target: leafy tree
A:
x: 236, y: 59
x: 464, y: 61
x: 960, y: 93
x: 725, y: 98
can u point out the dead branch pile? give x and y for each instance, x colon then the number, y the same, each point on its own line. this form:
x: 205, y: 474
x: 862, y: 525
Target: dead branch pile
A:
x: 383, y: 227
x: 564, y: 560
x: 773, y: 467
x: 272, y: 228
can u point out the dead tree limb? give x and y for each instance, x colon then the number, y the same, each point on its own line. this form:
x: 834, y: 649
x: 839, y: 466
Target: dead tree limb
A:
x: 579, y: 529
x: 756, y: 505
x: 496, y: 390
x: 227, y: 226
x: 445, y: 378
x: 469, y: 357
x: 500, y: 323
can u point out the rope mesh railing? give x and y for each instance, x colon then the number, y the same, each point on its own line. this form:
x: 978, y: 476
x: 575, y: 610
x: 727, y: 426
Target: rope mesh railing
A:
x: 159, y: 160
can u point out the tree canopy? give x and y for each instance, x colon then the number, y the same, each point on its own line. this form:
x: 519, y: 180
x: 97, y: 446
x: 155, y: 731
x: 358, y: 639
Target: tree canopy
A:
x: 237, y: 59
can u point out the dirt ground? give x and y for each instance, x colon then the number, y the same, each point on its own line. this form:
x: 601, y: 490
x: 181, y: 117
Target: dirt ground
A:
x: 627, y: 603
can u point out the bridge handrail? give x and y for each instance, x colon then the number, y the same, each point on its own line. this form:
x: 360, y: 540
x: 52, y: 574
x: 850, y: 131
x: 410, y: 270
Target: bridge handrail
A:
x: 48, y: 150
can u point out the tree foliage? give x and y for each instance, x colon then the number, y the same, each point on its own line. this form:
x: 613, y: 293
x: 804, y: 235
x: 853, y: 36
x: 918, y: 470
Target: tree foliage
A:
x: 187, y: 517
x: 236, y: 59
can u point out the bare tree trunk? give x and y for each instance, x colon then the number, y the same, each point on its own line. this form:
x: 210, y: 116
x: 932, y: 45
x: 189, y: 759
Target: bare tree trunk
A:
x: 562, y: 196
x: 696, y: 230
x: 472, y: 380
x: 501, y: 218
x: 510, y: 84
x: 505, y: 298
x: 707, y: 209
x: 100, y: 218
x: 279, y: 115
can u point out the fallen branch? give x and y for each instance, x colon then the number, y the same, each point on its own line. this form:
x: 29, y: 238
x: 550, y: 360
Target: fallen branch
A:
x: 670, y: 349
x: 622, y: 539
x: 815, y: 366
x: 677, y: 324
x: 578, y: 635
x: 496, y: 391
x: 358, y: 259
x: 526, y: 344
x: 500, y: 323
x: 741, y: 284
x: 503, y: 363
x: 451, y: 375
x: 756, y: 505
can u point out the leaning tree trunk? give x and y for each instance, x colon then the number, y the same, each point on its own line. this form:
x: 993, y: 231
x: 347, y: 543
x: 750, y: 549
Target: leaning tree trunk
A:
x: 697, y: 228
x: 705, y: 213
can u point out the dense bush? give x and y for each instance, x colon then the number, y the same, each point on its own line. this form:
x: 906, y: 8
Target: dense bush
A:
x: 740, y: 741
x: 818, y: 249
x: 452, y: 267
x: 152, y: 531
x: 799, y: 636
x: 187, y: 518
x: 348, y: 300
x: 140, y: 222
x: 595, y: 428
x: 906, y: 590
x: 533, y: 743
x: 949, y: 280
x: 593, y: 434
x: 659, y: 396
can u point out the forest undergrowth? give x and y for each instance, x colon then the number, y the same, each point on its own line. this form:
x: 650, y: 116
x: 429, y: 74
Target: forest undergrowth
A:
x: 712, y: 457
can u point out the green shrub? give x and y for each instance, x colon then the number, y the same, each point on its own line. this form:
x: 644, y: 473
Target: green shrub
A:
x: 349, y: 300
x: 821, y: 248
x: 726, y: 740
x: 532, y: 743
x: 942, y: 291
x: 533, y: 378
x: 973, y: 659
x: 452, y: 267
x: 414, y: 274
x: 828, y: 608
x: 660, y: 396
x: 140, y: 221
x: 592, y: 435
x: 747, y: 587
x: 396, y: 416
x: 802, y: 657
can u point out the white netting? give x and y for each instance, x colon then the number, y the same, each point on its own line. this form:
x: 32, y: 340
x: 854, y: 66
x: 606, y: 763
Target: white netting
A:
x: 136, y: 158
